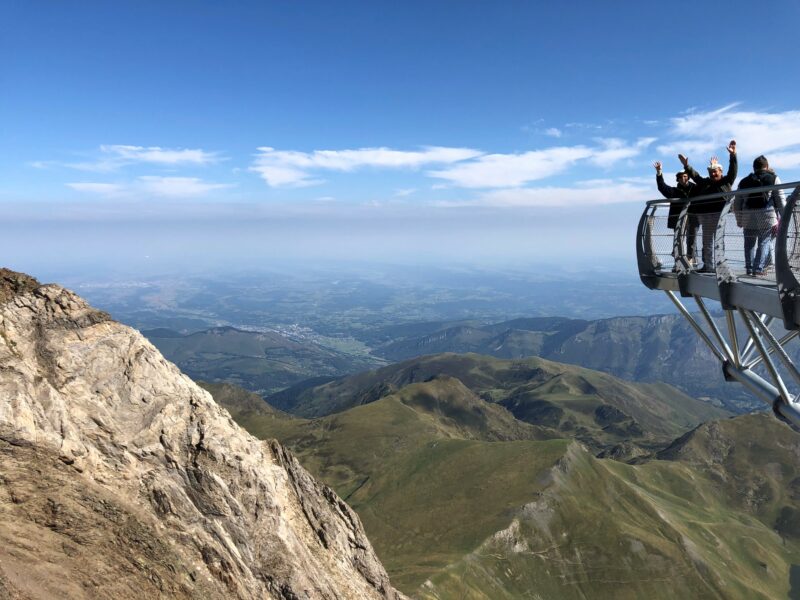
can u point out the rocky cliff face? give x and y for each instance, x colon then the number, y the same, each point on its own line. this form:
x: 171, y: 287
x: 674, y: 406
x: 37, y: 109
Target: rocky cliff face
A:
x: 119, y: 477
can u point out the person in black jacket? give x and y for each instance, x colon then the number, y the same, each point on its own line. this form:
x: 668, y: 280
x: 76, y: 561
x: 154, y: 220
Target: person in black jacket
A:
x: 684, y: 191
x: 759, y: 215
x: 708, y: 211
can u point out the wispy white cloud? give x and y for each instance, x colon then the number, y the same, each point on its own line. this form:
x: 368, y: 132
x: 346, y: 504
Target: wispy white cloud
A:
x: 277, y: 175
x: 112, y: 157
x: 785, y: 160
x: 401, y: 193
x: 40, y: 164
x: 179, y: 187
x: 161, y: 156
x: 640, y: 180
x: 151, y: 185
x: 516, y: 170
x: 593, y: 193
x: 553, y: 132
x: 703, y: 132
x: 614, y: 150
x: 511, y: 170
x: 585, y: 126
x: 291, y: 168
x: 461, y: 167
x: 105, y: 189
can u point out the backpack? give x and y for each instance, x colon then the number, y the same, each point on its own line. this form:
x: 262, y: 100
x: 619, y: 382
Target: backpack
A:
x: 758, y: 199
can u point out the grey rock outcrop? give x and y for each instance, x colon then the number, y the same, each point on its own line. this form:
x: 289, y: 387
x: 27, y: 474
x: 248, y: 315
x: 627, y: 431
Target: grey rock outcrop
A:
x: 119, y: 477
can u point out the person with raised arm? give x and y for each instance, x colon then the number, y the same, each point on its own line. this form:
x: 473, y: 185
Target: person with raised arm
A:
x: 708, y: 211
x: 683, y: 191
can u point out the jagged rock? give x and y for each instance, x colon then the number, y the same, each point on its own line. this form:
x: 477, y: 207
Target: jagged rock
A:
x: 121, y: 478
x: 13, y: 283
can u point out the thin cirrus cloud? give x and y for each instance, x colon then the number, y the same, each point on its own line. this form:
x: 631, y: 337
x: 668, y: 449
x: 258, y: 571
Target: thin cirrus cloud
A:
x: 279, y: 168
x: 702, y: 132
x: 179, y: 187
x: 162, y: 156
x: 613, y: 150
x: 515, y: 170
x: 512, y: 170
x: 115, y: 156
x: 458, y: 167
x: 785, y: 160
x: 589, y: 193
x: 106, y: 189
x: 151, y: 185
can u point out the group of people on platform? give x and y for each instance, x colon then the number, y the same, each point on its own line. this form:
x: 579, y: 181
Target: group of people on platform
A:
x: 757, y: 213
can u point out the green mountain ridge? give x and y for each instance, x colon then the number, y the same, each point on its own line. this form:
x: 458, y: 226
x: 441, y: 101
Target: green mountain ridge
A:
x: 649, y: 349
x: 604, y: 529
x: 415, y: 464
x: 595, y: 407
x: 660, y: 348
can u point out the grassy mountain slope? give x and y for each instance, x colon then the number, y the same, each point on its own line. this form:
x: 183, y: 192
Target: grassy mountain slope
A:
x: 605, y: 529
x: 455, y: 516
x: 658, y: 348
x: 755, y: 460
x: 417, y: 466
x: 594, y: 407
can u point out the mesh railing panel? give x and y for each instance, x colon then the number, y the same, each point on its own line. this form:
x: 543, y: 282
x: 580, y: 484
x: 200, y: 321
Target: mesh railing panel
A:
x: 793, y: 241
x: 749, y: 243
x: 692, y: 241
x: 706, y: 241
x: 658, y: 239
x: 742, y: 245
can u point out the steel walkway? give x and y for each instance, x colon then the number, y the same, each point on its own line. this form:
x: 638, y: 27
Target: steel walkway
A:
x: 749, y: 347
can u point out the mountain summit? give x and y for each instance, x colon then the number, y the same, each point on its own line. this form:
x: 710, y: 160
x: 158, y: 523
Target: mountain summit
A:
x: 119, y: 477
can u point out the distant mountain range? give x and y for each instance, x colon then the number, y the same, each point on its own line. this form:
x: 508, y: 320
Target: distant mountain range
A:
x: 662, y: 348
x: 597, y: 408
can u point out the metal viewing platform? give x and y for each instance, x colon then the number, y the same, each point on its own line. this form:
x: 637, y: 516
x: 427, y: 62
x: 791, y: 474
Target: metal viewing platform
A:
x: 752, y: 268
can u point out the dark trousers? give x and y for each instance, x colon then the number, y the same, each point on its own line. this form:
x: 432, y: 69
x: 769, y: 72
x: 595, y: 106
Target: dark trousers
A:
x: 692, y: 225
x: 709, y: 222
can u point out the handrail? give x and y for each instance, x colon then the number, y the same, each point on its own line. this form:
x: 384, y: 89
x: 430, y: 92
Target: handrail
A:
x: 766, y: 188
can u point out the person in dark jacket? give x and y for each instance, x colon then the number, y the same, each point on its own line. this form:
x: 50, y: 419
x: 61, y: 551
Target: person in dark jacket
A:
x: 709, y: 211
x: 684, y: 191
x: 759, y: 214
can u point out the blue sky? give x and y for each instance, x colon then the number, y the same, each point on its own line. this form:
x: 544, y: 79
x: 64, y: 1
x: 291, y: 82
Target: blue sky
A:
x: 443, y: 130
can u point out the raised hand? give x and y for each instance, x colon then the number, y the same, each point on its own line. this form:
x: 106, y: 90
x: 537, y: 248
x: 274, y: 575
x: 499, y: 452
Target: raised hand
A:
x: 657, y: 166
x: 732, y: 147
x: 684, y: 160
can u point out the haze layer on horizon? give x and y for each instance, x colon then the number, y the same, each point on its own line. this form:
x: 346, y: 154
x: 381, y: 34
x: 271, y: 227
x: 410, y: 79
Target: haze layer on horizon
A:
x: 144, y: 133
x: 246, y: 235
